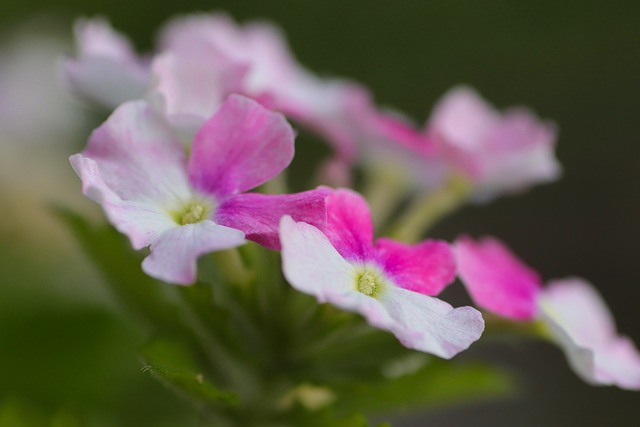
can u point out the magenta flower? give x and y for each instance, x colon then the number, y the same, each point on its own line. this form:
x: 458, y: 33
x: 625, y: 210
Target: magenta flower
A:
x: 182, y: 208
x: 390, y: 283
x: 499, y: 153
x: 107, y: 70
x: 575, y: 314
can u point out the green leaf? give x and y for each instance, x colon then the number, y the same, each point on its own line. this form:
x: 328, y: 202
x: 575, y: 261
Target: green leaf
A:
x: 14, y: 412
x: 173, y: 364
x: 120, y: 267
x: 325, y: 418
x: 437, y: 382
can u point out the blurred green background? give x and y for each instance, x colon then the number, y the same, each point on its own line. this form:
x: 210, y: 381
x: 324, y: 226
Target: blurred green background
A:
x: 64, y: 344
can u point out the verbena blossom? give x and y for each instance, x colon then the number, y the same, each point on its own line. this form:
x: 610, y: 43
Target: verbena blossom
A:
x: 183, y: 207
x: 107, y: 70
x: 201, y: 59
x: 497, y: 152
x: 390, y: 283
x: 575, y: 314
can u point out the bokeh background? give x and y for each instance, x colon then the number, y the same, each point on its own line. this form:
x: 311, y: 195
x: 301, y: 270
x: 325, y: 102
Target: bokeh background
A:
x: 66, y: 348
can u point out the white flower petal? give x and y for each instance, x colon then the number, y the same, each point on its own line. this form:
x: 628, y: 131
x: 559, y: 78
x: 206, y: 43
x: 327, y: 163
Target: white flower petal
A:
x: 582, y: 325
x: 173, y: 256
x: 310, y: 263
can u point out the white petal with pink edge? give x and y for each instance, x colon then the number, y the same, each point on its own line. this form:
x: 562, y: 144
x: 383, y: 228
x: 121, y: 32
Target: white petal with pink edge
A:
x: 581, y: 323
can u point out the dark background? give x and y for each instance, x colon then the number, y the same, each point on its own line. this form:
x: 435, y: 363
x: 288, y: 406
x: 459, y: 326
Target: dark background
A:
x: 575, y: 62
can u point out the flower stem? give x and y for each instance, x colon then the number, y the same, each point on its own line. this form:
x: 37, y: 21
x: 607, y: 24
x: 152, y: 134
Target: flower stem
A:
x: 233, y: 268
x: 429, y: 208
x: 384, y: 189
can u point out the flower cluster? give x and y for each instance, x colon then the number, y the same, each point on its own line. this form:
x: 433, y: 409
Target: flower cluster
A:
x: 202, y: 120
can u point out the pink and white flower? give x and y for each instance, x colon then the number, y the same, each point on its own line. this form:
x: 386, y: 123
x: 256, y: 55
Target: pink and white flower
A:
x: 575, y: 315
x: 185, y: 207
x: 205, y: 57
x: 498, y: 152
x: 390, y: 283
x: 107, y: 71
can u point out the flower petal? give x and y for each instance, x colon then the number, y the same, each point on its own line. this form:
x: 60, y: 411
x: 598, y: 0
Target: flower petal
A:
x: 310, y: 263
x: 496, y: 279
x: 138, y: 156
x: 258, y: 215
x: 349, y: 226
x: 426, y: 267
x: 141, y: 221
x: 242, y: 146
x: 136, y: 170
x: 499, y: 152
x: 429, y: 324
x: 107, y: 70
x: 173, y: 256
x: 463, y: 119
x: 583, y: 326
x: 193, y: 80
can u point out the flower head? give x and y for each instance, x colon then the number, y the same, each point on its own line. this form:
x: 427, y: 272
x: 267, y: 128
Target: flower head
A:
x: 390, y: 283
x: 572, y: 310
x: 498, y: 152
x: 182, y: 208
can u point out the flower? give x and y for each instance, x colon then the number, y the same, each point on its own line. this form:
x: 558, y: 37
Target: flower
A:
x: 107, y: 70
x: 200, y: 60
x: 205, y: 57
x: 575, y: 315
x: 391, y: 284
x: 182, y: 208
x: 499, y: 153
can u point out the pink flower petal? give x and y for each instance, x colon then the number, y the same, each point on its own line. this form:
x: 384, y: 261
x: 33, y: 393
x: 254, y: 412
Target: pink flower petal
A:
x: 349, y: 226
x: 242, y: 146
x: 258, y: 215
x: 427, y: 267
x: 496, y: 279
x: 310, y: 263
x: 194, y: 78
x: 429, y: 324
x: 173, y: 256
x: 107, y: 70
x: 463, y: 119
x: 583, y: 326
x: 500, y: 153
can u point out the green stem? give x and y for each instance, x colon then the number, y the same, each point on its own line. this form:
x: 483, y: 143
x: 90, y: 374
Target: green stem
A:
x: 384, y: 189
x: 233, y: 268
x: 429, y: 208
x: 276, y: 185
x: 496, y: 325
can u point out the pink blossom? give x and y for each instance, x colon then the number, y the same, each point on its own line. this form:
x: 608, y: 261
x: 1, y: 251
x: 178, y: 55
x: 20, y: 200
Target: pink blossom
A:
x: 390, y: 283
x: 205, y: 57
x: 106, y: 71
x: 499, y: 152
x: 574, y: 313
x: 185, y: 207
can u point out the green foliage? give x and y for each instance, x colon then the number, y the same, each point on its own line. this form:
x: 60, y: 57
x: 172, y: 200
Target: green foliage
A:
x: 436, y: 383
x: 120, y: 267
x: 171, y: 362
x: 254, y: 352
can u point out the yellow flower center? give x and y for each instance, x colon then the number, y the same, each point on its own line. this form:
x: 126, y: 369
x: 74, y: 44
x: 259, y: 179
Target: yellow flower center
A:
x: 192, y: 212
x: 370, y: 283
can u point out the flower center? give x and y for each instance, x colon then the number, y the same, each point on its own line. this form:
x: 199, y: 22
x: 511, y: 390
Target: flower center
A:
x: 192, y: 212
x: 369, y: 283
